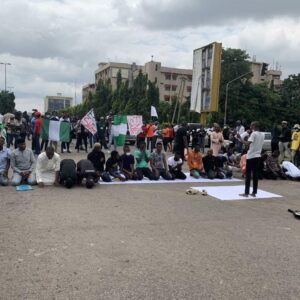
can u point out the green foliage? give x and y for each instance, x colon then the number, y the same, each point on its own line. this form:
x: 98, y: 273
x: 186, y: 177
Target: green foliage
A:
x: 7, y: 102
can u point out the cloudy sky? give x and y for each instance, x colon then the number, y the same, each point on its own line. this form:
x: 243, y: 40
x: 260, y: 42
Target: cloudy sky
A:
x: 55, y: 45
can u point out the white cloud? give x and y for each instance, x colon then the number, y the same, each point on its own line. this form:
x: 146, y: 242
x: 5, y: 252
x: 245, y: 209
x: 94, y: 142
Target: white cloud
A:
x: 52, y: 44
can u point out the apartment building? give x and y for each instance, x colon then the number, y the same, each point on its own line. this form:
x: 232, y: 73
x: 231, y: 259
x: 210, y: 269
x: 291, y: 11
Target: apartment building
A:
x: 262, y: 74
x: 58, y: 102
x: 172, y: 82
x: 86, y: 89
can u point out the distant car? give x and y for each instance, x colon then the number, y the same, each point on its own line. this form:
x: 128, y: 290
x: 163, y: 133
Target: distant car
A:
x: 267, y: 141
x: 130, y: 139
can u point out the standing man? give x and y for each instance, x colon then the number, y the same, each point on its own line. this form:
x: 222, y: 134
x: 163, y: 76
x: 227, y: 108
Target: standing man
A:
x: 255, y: 142
x: 181, y: 141
x: 284, y: 140
x: 4, y: 162
x: 37, y: 132
x: 101, y: 132
x: 23, y: 164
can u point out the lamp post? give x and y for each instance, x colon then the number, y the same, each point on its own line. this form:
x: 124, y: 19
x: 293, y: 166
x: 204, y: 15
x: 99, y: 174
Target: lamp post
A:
x: 226, y: 95
x: 5, y: 64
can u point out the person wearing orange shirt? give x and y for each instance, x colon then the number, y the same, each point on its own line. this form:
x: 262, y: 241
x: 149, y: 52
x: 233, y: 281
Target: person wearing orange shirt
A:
x: 195, y: 162
x: 150, y: 134
x: 166, y: 137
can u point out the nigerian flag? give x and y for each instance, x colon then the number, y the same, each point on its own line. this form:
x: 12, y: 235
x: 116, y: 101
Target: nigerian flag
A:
x: 119, y: 129
x: 53, y: 130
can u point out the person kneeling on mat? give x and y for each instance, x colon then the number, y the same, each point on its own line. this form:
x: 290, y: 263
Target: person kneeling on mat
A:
x: 86, y: 170
x: 195, y: 162
x: 67, y: 173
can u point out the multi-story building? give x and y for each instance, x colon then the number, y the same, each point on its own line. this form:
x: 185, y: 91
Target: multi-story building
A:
x: 261, y: 73
x: 55, y: 103
x: 172, y: 82
x: 88, y: 88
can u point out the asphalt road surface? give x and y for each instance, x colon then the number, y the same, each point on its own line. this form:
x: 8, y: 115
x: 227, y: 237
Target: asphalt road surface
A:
x: 148, y: 242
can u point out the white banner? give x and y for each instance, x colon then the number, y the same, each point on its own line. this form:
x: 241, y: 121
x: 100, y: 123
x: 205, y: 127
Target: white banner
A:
x: 89, y: 122
x: 196, y: 96
x: 135, y: 124
x: 154, y: 112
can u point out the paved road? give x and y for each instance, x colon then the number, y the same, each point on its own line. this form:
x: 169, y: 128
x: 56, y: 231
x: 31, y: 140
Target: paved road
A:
x: 148, y: 242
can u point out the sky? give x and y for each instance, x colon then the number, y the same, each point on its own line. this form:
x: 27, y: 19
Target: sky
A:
x: 54, y: 46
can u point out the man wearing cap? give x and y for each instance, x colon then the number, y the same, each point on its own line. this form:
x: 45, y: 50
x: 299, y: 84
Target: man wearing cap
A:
x: 23, y: 164
x: 295, y: 142
x: 284, y: 140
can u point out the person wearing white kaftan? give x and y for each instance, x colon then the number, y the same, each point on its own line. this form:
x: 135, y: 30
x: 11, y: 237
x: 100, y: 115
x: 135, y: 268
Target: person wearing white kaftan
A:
x: 47, y: 167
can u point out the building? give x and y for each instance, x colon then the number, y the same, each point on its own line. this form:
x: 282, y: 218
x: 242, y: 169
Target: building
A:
x: 172, y: 82
x: 88, y: 88
x: 262, y: 74
x: 55, y: 103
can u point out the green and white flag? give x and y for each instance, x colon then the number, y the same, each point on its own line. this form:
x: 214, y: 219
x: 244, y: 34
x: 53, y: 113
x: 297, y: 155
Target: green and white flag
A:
x: 56, y: 130
x: 119, y: 129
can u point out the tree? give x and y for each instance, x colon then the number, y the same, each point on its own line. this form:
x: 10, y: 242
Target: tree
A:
x: 7, y: 102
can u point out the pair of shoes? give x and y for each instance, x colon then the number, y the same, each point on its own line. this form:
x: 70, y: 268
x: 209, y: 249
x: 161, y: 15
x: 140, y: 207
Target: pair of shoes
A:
x: 253, y: 195
x: 191, y: 192
x: 244, y: 195
x: 69, y: 151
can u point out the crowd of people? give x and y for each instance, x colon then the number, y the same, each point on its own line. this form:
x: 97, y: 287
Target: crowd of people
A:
x: 231, y: 149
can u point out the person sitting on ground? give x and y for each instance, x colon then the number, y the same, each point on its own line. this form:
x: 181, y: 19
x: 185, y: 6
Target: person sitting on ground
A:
x: 47, y: 168
x: 143, y: 157
x: 113, y: 166
x: 127, y: 164
x: 209, y: 162
x: 175, y: 166
x: 23, y: 164
x: 262, y: 167
x: 85, y: 169
x: 223, y: 170
x: 67, y: 173
x: 232, y: 160
x: 273, y: 169
x: 158, y: 163
x: 4, y: 162
x: 97, y: 157
x: 195, y: 162
x: 290, y: 170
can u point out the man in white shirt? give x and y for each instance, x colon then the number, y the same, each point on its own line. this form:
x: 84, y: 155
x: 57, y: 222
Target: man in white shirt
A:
x: 255, y: 143
x: 47, y: 168
x: 175, y: 166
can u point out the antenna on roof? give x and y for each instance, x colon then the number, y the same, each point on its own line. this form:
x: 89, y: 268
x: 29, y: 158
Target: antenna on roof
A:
x: 151, y: 57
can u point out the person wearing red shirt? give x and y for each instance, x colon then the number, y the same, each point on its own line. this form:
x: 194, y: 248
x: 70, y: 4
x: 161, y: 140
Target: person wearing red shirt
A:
x: 37, y: 131
x: 141, y: 136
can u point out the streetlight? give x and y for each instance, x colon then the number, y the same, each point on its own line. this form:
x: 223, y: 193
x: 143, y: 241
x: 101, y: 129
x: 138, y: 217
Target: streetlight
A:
x: 5, y: 64
x: 226, y: 97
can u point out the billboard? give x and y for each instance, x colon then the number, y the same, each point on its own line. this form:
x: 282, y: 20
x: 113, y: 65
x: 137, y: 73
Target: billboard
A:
x: 206, y: 78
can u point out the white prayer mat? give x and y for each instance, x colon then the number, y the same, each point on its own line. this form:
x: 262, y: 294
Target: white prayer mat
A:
x: 189, y: 179
x: 226, y: 193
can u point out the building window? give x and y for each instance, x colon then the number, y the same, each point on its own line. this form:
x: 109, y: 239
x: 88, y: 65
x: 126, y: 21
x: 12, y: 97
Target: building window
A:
x: 156, y: 67
x: 168, y: 76
x: 167, y: 97
x: 174, y: 76
x: 174, y: 87
x: 167, y: 87
x: 190, y: 77
x: 188, y: 89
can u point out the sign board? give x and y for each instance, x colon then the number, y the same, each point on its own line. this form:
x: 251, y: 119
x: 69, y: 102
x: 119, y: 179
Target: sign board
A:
x: 206, y: 78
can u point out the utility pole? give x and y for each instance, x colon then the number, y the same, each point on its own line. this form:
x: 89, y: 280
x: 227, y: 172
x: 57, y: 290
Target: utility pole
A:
x: 5, y: 64
x: 226, y: 95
